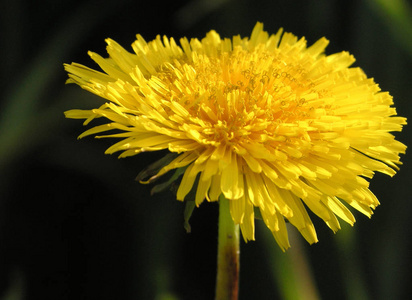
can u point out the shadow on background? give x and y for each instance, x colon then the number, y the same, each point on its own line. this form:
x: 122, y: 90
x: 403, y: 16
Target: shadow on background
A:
x: 74, y: 224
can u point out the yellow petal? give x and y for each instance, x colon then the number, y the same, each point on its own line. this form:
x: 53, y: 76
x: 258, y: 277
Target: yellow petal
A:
x: 237, y: 209
x: 231, y: 181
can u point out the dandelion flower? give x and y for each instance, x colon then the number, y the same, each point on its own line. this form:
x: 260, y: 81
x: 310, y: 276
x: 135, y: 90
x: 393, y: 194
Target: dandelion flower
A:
x: 272, y: 125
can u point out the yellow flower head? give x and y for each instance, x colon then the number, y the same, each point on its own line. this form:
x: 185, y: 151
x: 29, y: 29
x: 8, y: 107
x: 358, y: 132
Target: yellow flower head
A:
x: 265, y: 121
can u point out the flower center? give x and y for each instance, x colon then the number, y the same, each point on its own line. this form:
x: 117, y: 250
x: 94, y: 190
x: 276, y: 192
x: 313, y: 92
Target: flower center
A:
x: 241, y: 96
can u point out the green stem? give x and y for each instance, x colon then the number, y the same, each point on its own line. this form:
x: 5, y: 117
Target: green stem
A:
x: 227, y: 280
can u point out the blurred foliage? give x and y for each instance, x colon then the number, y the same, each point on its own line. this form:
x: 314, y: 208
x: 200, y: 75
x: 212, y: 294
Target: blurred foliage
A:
x: 74, y: 224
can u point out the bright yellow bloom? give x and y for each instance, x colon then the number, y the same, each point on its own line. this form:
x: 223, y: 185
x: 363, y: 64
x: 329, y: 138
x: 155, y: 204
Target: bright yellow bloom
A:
x: 266, y: 121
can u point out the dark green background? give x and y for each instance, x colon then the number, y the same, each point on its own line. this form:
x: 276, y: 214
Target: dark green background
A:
x: 75, y: 225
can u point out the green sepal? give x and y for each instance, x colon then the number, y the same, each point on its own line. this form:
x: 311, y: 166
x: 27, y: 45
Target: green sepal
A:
x: 258, y: 214
x: 155, y: 167
x: 162, y: 186
x: 189, y: 207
